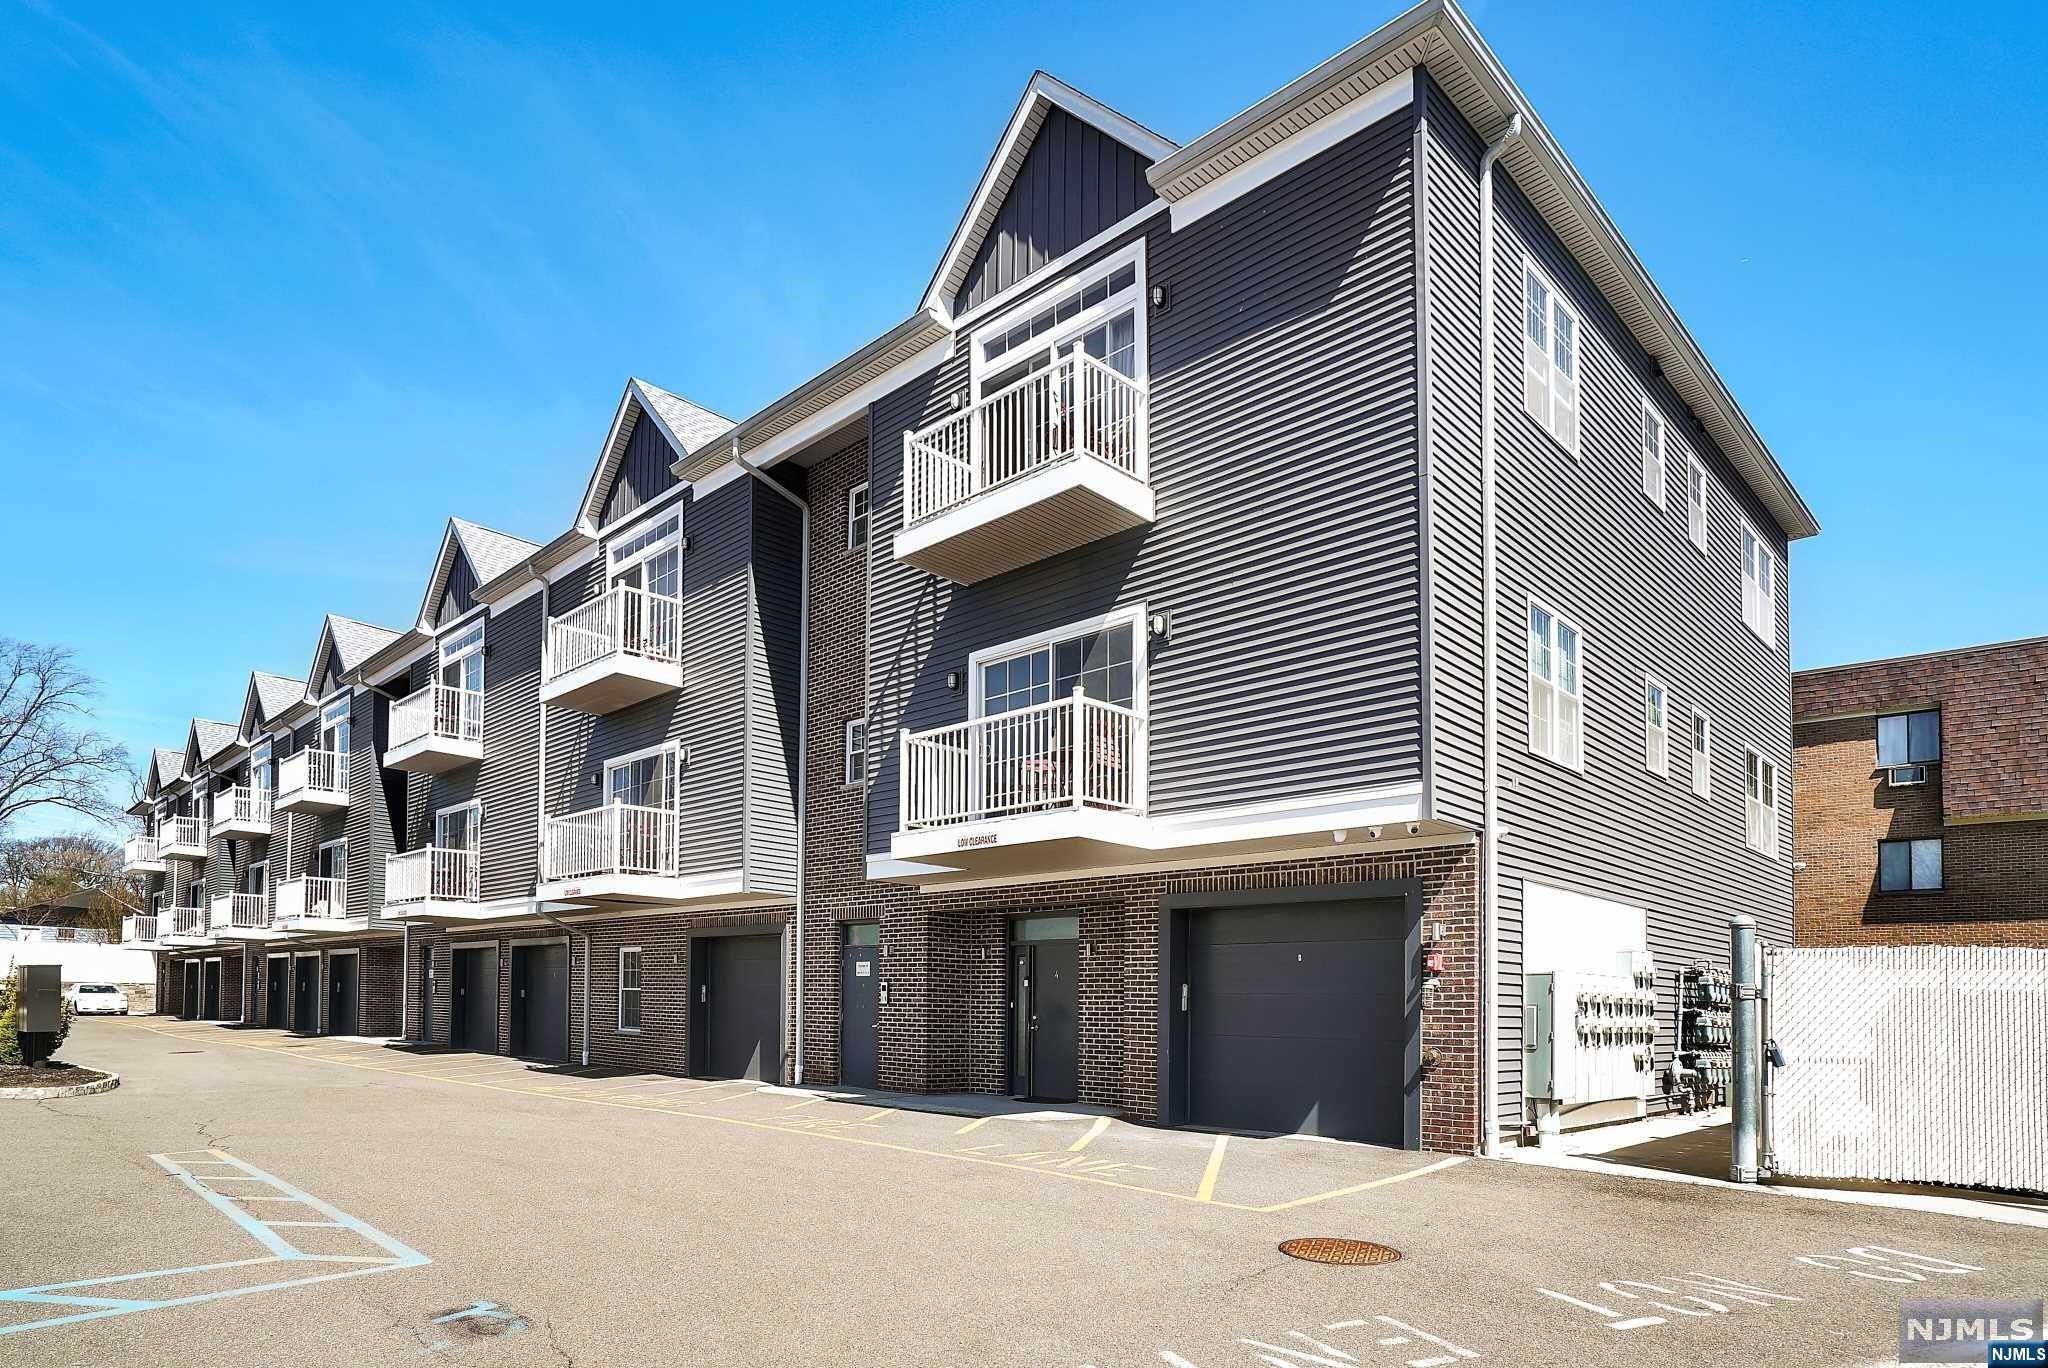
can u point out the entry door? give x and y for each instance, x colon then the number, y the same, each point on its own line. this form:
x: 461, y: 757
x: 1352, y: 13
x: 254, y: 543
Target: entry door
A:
x: 540, y: 997
x: 860, y: 1008
x: 305, y: 995
x: 341, y: 994
x: 212, y: 990
x: 737, y: 1006
x: 274, y: 972
x: 473, y: 1015
x: 1045, y: 1021
x: 190, y: 1007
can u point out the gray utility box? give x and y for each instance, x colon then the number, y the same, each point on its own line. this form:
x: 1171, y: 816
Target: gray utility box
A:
x: 40, y: 994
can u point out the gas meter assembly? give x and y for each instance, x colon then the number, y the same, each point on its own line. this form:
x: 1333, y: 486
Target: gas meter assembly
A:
x: 1591, y: 1037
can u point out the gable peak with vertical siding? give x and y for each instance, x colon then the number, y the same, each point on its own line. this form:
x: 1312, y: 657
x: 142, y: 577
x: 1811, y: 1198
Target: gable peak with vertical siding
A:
x: 470, y: 555
x: 1066, y: 168
x: 685, y: 428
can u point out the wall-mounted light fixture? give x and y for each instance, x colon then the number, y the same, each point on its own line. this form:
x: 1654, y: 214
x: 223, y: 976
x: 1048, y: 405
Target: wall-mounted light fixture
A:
x: 1162, y: 300
x: 953, y: 680
x: 1160, y: 624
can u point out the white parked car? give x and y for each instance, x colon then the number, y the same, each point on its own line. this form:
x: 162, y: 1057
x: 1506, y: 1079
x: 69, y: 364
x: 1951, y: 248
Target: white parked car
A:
x: 98, y: 997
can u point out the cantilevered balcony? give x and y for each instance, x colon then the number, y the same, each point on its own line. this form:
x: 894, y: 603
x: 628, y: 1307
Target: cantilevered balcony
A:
x: 190, y: 926
x: 243, y: 916
x: 139, y: 930
x: 1050, y: 463
x: 312, y: 781
x: 623, y: 646
x: 314, y: 906
x: 241, y: 812
x: 182, y: 838
x: 139, y: 856
x: 1056, y: 786
x: 437, y: 729
x: 423, y: 885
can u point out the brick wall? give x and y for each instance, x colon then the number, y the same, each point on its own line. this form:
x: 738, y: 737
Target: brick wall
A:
x: 1994, y: 874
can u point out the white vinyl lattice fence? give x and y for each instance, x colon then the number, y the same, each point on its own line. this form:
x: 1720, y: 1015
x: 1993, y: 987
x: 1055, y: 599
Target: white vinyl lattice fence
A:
x: 1915, y: 1064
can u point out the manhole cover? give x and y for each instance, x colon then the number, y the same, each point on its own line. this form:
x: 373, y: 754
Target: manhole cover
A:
x: 1323, y: 1249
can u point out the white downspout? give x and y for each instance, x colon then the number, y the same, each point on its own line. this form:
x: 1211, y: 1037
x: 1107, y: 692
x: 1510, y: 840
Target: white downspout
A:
x: 803, y: 712
x: 1489, y: 837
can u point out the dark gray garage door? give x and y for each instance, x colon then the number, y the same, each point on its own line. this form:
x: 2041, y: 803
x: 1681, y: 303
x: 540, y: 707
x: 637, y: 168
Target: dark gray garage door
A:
x: 1302, y: 1018
x: 540, y: 1001
x: 737, y: 1006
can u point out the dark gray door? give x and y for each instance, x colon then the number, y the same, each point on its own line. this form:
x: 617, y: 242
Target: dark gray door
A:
x: 189, y: 1008
x: 1300, y: 1019
x: 274, y: 972
x: 212, y: 990
x: 860, y: 1015
x: 341, y: 994
x: 540, y: 1002
x: 1045, y: 1021
x: 738, y: 1006
x: 473, y: 1010
x: 305, y: 995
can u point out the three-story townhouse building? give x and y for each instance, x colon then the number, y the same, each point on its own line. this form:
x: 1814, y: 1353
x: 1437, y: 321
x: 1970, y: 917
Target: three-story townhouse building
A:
x: 1279, y: 613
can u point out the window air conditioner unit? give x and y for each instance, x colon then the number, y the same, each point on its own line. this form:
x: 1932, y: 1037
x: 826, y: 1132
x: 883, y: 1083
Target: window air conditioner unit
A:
x: 1904, y: 776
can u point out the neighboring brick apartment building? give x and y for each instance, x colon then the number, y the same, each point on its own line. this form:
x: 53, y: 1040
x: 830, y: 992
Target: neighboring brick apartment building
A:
x: 1120, y: 732
x: 1921, y: 799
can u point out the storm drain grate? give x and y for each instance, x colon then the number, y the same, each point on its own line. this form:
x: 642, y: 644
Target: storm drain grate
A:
x: 1324, y: 1249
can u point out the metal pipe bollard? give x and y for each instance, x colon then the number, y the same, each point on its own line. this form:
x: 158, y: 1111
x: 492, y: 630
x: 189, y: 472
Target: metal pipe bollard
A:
x: 1745, y: 1091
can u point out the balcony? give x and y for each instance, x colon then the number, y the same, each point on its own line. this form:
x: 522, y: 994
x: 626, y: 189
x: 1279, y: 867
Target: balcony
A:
x: 243, y: 916
x: 315, y: 906
x: 437, y: 729
x: 426, y: 884
x: 620, y: 648
x: 190, y: 926
x: 1056, y: 786
x: 1053, y: 462
x: 139, y: 930
x: 241, y: 812
x: 312, y: 781
x: 139, y: 856
x: 182, y: 838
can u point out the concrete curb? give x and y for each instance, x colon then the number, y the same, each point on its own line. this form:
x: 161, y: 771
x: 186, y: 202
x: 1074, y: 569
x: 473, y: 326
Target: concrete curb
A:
x: 98, y: 1085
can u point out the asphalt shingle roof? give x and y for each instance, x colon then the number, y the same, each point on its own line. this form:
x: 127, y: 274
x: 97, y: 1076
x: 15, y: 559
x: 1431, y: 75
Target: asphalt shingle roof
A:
x: 491, y: 553
x: 692, y: 424
x: 355, y: 642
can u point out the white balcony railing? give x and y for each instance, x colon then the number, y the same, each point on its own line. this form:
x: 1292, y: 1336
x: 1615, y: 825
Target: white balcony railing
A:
x: 241, y: 911
x: 140, y: 852
x: 1076, y: 407
x: 439, y: 710
x: 313, y: 773
x: 431, y: 875
x: 138, y: 929
x: 312, y: 899
x: 188, y: 921
x: 177, y: 834
x: 1077, y: 753
x: 620, y: 621
x: 619, y: 839
x: 241, y: 807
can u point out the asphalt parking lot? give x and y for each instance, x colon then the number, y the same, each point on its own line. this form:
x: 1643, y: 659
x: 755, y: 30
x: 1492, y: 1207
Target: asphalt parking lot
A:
x: 245, y: 1196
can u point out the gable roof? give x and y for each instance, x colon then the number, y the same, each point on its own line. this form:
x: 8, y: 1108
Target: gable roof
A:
x: 267, y: 696
x: 166, y: 766
x: 353, y: 642
x: 1041, y: 94
x: 490, y: 553
x: 1438, y: 34
x: 205, y: 739
x: 688, y: 427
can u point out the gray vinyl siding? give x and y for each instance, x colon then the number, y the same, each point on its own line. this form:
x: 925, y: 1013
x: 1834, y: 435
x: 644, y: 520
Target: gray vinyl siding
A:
x: 1283, y: 458
x: 460, y: 594
x: 1075, y: 182
x: 644, y: 473
x: 1581, y: 537
x: 774, y: 679
x: 376, y: 804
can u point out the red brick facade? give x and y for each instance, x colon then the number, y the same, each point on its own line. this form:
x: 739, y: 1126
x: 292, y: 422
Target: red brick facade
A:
x: 1986, y: 800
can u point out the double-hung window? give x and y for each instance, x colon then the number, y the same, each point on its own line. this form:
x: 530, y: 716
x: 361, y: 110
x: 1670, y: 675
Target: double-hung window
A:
x: 1909, y: 866
x: 1550, y: 358
x: 1760, y: 804
x: 1556, y: 717
x: 857, y: 517
x: 1653, y: 439
x: 855, y: 753
x: 1696, y: 502
x: 629, y: 989
x: 1909, y: 738
x: 1702, y: 754
x: 1759, y: 586
x: 1656, y: 728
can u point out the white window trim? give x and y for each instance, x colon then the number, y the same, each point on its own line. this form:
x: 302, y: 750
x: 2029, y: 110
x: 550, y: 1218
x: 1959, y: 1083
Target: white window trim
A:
x: 1661, y: 493
x: 617, y: 565
x: 846, y: 752
x: 1056, y: 289
x: 1557, y: 298
x: 474, y: 806
x: 1557, y: 620
x: 1650, y: 682
x: 868, y: 517
x: 1140, y: 672
x: 1769, y: 848
x: 1702, y: 760
x: 326, y: 846
x: 639, y: 993
x: 672, y: 749
x: 253, y: 866
x: 452, y: 636
x: 1764, y: 623
x: 1698, y: 536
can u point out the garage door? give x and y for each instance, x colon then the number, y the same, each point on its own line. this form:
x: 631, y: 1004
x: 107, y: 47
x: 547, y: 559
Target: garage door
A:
x: 737, y: 1006
x: 1302, y: 1017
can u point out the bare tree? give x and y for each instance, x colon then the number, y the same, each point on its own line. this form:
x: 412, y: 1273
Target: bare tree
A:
x: 40, y: 877
x: 50, y: 756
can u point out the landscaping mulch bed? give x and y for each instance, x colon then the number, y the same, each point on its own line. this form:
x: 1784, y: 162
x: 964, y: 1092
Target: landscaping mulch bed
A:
x: 53, y: 1074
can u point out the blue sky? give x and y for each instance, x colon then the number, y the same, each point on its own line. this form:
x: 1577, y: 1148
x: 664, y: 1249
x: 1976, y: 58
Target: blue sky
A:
x: 277, y: 294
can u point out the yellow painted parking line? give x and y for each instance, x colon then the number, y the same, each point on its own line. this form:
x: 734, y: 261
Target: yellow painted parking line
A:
x: 636, y: 1083
x: 807, y: 1102
x: 974, y: 1125
x: 1101, y: 1125
x: 1207, y: 1191
x: 1437, y: 1167
x: 884, y: 1112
